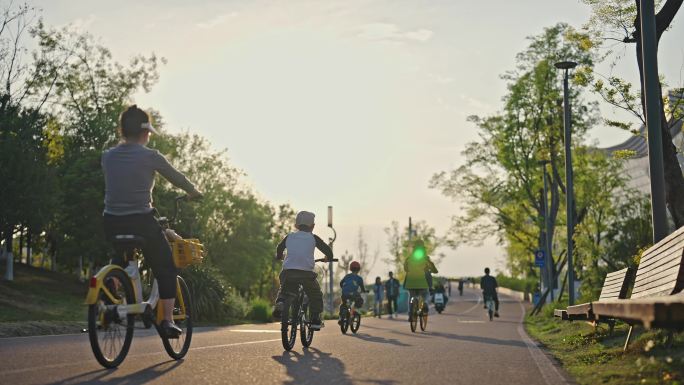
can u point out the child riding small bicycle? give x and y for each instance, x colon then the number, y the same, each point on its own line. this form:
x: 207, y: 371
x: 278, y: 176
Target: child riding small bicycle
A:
x: 351, y: 284
x: 298, y: 266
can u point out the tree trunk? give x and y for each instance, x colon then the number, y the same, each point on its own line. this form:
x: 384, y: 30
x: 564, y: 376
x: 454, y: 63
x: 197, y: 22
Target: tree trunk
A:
x: 20, y: 254
x: 674, y: 180
x: 9, y: 271
x: 28, y: 246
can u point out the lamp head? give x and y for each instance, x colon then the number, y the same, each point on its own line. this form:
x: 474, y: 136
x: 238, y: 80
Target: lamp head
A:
x: 565, y: 65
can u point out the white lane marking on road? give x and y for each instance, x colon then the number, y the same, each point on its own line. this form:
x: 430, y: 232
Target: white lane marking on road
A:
x: 547, y: 369
x: 63, y: 365
x: 233, y: 344
x: 255, y: 331
x: 479, y: 298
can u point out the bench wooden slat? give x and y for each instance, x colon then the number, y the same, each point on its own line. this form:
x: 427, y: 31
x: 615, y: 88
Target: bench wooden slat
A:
x: 656, y: 291
x: 617, y: 281
x: 665, y: 260
x: 671, y: 270
x: 661, y: 285
x: 617, y: 275
x: 615, y: 286
x: 661, y: 312
x: 666, y: 242
x: 613, y: 293
x: 583, y: 308
x: 665, y: 246
x: 611, y: 289
x: 671, y: 267
x: 668, y: 279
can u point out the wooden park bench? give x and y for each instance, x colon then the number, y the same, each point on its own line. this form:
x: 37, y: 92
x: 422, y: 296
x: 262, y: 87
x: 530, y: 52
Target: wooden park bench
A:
x: 615, y: 286
x: 654, y: 302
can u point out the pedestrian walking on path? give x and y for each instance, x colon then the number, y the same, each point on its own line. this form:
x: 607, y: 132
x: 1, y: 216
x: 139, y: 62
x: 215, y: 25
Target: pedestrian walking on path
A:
x: 378, y: 289
x: 392, y: 292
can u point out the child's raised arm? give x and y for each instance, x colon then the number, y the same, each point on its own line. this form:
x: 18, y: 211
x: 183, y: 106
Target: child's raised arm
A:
x: 281, y: 248
x: 323, y: 247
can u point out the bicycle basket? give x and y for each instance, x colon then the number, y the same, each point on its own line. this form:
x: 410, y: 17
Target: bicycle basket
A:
x: 187, y: 252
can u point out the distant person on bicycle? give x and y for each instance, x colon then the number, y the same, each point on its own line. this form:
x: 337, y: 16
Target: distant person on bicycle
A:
x: 129, y: 171
x: 298, y: 267
x: 352, y: 287
x: 488, y: 285
x: 392, y: 291
x: 417, y: 266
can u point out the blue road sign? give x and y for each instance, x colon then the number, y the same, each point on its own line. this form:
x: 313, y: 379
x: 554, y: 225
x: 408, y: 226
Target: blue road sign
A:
x: 539, y: 258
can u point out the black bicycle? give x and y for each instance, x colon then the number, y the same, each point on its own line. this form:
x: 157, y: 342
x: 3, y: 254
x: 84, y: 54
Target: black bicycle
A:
x: 295, y: 314
x: 349, y: 317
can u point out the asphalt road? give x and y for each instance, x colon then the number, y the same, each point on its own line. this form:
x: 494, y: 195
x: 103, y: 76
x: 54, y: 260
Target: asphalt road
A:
x: 460, y: 346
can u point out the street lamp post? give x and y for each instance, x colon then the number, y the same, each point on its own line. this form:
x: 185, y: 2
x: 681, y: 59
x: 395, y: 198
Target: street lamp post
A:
x: 569, y: 190
x: 330, y: 266
x: 652, y: 101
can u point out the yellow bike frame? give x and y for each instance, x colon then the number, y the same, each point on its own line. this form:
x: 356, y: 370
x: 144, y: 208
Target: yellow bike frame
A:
x: 97, y: 284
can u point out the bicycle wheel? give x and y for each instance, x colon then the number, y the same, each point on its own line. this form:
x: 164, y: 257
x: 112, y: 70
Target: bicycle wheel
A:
x: 413, y: 315
x: 423, y: 319
x: 288, y: 323
x: 110, y: 336
x: 177, y: 348
x: 344, y: 320
x: 355, y: 323
x: 305, y: 332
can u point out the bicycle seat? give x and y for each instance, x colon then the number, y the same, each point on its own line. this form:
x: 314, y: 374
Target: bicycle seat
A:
x: 128, y: 241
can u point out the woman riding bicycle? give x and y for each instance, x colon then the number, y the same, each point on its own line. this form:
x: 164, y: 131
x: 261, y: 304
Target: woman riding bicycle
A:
x: 129, y: 171
x: 417, y: 266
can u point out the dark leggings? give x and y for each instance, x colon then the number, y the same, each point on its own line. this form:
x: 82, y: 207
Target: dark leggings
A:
x: 392, y: 301
x: 156, y: 250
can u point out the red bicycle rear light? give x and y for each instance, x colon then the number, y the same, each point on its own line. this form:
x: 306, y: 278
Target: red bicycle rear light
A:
x: 93, y: 282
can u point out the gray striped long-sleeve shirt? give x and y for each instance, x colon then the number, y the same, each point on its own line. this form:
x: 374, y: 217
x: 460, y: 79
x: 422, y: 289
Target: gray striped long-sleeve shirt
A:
x: 129, y: 171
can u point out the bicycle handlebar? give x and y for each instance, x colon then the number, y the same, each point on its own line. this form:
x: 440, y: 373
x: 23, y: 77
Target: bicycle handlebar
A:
x: 177, y: 201
x: 326, y: 260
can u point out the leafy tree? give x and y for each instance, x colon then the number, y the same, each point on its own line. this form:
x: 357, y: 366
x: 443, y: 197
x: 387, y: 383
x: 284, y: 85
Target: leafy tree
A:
x: 87, y: 95
x: 500, y: 185
x: 621, y: 20
x: 25, y: 147
x: 27, y: 177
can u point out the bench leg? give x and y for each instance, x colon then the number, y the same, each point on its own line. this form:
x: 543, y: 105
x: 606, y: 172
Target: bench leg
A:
x: 629, y: 336
x: 611, y: 326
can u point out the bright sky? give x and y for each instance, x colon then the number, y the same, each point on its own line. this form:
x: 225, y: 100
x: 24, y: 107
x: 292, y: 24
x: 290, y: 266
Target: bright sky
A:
x: 353, y: 104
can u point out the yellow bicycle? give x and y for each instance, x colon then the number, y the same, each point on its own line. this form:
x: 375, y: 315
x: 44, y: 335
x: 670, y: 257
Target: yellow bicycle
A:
x: 115, y: 299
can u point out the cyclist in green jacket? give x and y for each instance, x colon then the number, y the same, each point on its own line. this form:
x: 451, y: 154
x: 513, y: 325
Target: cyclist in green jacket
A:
x: 417, y: 266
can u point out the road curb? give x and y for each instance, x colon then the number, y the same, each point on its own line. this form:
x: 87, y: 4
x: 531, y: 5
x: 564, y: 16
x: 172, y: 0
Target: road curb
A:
x: 549, y: 367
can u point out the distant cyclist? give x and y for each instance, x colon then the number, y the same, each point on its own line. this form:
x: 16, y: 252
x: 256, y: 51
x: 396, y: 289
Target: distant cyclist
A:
x: 417, y: 266
x: 298, y: 267
x: 488, y: 285
x: 129, y: 172
x: 352, y: 285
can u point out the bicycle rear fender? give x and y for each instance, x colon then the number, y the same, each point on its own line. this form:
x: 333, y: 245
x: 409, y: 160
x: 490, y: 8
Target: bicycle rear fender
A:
x: 97, y: 283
